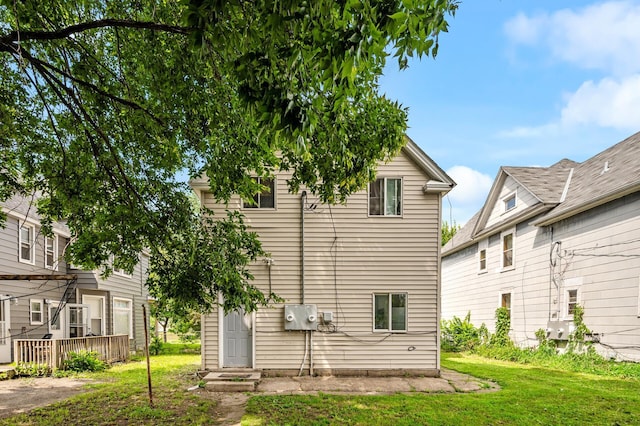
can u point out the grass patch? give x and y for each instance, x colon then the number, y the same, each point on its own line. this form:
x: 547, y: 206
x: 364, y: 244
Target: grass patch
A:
x: 119, y: 396
x: 530, y: 395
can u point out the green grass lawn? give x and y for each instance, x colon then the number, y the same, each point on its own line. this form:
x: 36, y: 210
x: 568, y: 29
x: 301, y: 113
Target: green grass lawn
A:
x: 119, y: 397
x: 530, y: 395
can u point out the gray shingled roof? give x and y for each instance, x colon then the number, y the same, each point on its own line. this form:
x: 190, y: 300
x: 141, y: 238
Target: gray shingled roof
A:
x: 546, y: 183
x: 463, y: 236
x: 26, y: 206
x: 599, y: 179
x: 591, y: 184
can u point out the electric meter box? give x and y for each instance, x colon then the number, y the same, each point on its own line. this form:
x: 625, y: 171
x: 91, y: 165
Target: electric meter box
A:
x: 300, y: 317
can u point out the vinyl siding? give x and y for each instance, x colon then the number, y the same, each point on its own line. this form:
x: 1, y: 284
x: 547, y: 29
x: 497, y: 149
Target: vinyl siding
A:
x: 20, y: 326
x: 600, y: 249
x: 524, y: 199
x: 348, y: 257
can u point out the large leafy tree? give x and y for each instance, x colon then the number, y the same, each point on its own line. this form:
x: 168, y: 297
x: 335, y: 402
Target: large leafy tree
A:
x: 103, y: 103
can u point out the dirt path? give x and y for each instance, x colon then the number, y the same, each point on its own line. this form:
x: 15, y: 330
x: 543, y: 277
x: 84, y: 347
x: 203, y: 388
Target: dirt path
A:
x: 21, y: 395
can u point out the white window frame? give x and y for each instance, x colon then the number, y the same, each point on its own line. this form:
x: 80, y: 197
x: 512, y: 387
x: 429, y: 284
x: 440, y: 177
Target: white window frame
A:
x: 33, y: 311
x: 504, y: 267
x: 120, y: 310
x: 513, y: 195
x: 483, y: 246
x: 390, y: 311
x: 103, y: 319
x: 32, y: 243
x: 565, y: 301
x: 54, y: 255
x: 257, y: 206
x: 54, y: 306
x: 384, y: 197
x: 501, y: 295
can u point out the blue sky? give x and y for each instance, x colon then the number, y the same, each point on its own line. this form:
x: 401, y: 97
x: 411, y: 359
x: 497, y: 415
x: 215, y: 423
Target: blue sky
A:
x: 522, y: 83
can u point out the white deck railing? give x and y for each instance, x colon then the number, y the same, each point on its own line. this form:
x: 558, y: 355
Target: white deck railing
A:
x: 54, y: 352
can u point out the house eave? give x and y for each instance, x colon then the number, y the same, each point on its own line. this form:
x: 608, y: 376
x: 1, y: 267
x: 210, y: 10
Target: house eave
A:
x: 514, y: 220
x: 437, y: 187
x: 603, y: 199
x: 413, y: 151
x: 457, y: 248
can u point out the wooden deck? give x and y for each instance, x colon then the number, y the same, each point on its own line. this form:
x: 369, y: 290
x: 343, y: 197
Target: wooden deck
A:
x: 53, y: 352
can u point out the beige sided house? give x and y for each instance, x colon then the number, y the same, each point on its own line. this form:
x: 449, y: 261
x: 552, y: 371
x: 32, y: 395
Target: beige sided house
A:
x: 361, y: 281
x: 548, y: 238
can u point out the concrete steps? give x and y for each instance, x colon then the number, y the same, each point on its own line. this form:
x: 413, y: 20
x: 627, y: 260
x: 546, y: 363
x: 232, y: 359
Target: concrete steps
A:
x: 232, y: 380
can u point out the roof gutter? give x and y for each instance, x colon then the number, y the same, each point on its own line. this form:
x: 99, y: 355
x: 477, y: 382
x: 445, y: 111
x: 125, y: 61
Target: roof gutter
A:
x: 603, y: 199
x: 512, y: 221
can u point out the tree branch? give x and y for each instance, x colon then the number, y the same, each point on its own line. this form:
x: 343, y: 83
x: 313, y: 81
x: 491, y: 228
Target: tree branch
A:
x: 14, y: 36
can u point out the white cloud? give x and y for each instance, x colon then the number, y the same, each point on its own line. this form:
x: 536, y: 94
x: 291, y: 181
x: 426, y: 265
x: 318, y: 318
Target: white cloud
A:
x: 468, y: 196
x: 603, y: 36
x: 608, y: 103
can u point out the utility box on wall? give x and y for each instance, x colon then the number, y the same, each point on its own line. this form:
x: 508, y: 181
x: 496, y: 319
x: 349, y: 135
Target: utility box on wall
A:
x: 559, y: 330
x: 300, y: 317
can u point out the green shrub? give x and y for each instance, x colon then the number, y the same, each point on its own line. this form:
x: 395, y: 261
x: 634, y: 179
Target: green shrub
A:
x: 503, y: 325
x: 32, y: 370
x: 84, y: 361
x: 156, y: 345
x: 461, y: 335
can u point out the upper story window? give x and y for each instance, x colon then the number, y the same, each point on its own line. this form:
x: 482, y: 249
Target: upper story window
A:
x: 483, y: 260
x: 385, y: 197
x: 265, y: 199
x: 482, y: 255
x: 507, y: 250
x: 50, y: 252
x: 27, y: 236
x: 509, y: 202
x: 390, y: 312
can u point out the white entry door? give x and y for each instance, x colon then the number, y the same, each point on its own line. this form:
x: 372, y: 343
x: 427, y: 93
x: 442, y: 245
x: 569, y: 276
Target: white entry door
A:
x: 57, y: 323
x: 5, y: 323
x: 237, y: 340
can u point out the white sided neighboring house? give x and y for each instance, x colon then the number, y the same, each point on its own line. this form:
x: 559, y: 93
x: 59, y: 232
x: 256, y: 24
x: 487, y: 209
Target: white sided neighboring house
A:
x: 549, y: 238
x: 361, y: 281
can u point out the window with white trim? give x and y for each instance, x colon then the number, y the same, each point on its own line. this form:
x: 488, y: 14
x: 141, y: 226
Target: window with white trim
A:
x: 123, y: 316
x: 35, y: 311
x: 385, y: 197
x: 27, y: 246
x: 390, y: 312
x: 508, y: 260
x: 51, y: 252
x: 482, y: 255
x: 266, y: 199
x: 571, y: 301
x: 505, y: 302
x: 509, y: 202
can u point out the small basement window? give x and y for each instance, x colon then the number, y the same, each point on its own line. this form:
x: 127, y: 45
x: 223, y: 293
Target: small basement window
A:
x: 390, y: 312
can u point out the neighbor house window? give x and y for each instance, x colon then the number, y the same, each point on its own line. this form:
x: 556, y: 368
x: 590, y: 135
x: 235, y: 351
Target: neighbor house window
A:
x: 35, y: 311
x: 390, y: 312
x: 50, y: 252
x: 509, y: 202
x: 505, y: 302
x: 572, y: 301
x: 27, y: 253
x: 385, y: 197
x: 482, y: 255
x: 265, y: 199
x: 122, y: 317
x: 483, y: 260
x: 507, y: 250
